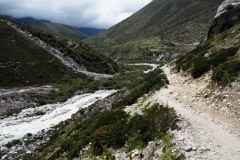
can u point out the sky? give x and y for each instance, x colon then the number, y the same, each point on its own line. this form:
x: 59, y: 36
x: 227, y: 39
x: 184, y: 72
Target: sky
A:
x: 78, y: 13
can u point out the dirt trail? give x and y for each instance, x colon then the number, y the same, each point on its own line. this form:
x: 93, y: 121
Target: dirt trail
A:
x: 212, y: 135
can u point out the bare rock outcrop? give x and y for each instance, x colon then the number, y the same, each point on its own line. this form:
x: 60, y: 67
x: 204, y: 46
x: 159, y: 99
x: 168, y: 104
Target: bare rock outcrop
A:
x: 227, y: 15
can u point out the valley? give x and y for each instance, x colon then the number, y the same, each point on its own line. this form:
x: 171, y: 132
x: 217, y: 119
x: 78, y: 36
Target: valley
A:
x: 154, y: 86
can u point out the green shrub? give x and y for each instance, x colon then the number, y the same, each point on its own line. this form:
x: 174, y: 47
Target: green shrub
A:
x: 201, y: 64
x: 13, y: 143
x: 226, y: 72
x: 185, y: 61
x: 115, y: 129
x: 67, y: 144
x: 198, y: 64
x: 151, y: 81
x: 136, y: 131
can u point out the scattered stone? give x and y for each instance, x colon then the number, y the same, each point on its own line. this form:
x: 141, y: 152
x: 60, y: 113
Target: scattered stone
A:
x: 141, y: 155
x: 177, y: 119
x: 194, y: 148
x: 187, y: 148
x: 206, y: 55
x: 205, y: 96
x: 4, y: 157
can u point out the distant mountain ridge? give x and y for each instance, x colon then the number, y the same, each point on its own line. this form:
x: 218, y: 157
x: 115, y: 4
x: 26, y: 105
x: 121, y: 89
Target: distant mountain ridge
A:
x: 53, y: 27
x: 90, y: 31
x: 75, y: 32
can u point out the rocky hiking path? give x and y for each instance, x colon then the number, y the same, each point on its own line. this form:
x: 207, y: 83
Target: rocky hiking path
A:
x: 205, y: 133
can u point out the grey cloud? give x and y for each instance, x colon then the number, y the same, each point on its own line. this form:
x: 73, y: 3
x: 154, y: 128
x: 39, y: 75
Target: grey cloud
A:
x: 81, y: 13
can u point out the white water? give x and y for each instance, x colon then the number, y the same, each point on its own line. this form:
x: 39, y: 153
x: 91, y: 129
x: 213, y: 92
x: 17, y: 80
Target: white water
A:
x: 154, y: 66
x: 16, y: 127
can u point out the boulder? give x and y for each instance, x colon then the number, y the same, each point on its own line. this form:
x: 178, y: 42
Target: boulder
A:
x: 227, y: 16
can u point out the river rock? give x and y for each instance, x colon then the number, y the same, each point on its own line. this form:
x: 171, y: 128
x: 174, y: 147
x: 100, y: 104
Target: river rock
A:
x: 4, y: 157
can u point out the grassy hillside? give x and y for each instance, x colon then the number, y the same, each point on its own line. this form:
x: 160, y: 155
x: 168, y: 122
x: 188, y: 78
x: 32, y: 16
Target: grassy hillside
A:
x: 54, y: 27
x: 219, y: 54
x: 24, y: 63
x: 161, y: 21
x: 81, y: 53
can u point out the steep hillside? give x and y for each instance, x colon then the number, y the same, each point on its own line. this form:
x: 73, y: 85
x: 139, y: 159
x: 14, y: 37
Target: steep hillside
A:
x: 219, y: 54
x: 146, y: 32
x: 31, y: 56
x: 54, y: 27
x: 24, y: 63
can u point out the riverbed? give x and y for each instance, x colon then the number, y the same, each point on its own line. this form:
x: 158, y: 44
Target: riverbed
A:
x: 33, y: 120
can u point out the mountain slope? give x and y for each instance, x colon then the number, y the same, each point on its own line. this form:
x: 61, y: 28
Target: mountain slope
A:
x: 54, y: 27
x: 31, y: 56
x: 24, y: 63
x: 183, y: 22
x: 219, y: 54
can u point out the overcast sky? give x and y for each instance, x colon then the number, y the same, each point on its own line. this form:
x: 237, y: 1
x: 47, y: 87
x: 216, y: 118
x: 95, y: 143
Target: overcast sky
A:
x: 79, y: 13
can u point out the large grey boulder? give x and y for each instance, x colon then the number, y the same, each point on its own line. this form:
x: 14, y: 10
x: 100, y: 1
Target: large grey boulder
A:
x: 227, y: 15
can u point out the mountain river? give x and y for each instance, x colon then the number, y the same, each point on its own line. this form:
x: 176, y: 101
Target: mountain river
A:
x: 33, y: 120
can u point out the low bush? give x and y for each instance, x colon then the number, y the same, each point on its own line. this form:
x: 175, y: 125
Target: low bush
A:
x: 198, y: 63
x: 13, y: 143
x: 186, y: 61
x: 151, y: 81
x: 116, y: 129
x: 226, y: 72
